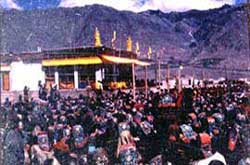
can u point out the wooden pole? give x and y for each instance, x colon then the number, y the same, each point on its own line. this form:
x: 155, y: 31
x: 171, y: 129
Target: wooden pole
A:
x: 146, y: 81
x: 159, y: 72
x: 133, y: 79
x: 248, y: 30
x: 203, y: 78
x: 168, y: 77
x: 179, y: 79
x: 193, y: 79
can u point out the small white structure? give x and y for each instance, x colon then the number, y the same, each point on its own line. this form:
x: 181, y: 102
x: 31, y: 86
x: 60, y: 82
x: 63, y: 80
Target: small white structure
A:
x: 26, y: 75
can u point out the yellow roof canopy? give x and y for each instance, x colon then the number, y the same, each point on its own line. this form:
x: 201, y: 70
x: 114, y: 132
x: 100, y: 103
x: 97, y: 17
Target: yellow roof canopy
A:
x: 72, y: 61
x: 123, y: 60
x: 141, y: 63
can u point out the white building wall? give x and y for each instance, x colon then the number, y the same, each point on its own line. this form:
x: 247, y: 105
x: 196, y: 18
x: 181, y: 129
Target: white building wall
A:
x: 25, y: 74
x: 99, y: 76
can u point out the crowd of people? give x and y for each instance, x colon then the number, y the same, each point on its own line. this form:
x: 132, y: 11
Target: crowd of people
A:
x: 115, y: 128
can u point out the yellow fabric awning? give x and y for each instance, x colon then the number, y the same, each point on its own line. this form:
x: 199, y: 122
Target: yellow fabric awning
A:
x: 117, y: 60
x: 72, y: 61
x: 142, y: 63
x: 123, y: 60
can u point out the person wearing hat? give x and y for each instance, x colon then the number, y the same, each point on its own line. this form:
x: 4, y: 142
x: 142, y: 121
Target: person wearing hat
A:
x: 26, y: 93
x: 7, y: 103
x: 14, y: 144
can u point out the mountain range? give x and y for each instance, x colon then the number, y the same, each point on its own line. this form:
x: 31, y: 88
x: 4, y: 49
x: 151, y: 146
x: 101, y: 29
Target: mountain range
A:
x: 215, y: 38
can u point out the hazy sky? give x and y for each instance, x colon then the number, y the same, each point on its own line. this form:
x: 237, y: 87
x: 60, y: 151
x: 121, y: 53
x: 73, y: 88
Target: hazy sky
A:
x: 133, y: 5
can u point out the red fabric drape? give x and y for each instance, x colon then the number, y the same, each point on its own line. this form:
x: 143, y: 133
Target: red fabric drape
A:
x: 6, y: 81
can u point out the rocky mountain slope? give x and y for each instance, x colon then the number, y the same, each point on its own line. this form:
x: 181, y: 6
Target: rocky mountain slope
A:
x: 192, y: 37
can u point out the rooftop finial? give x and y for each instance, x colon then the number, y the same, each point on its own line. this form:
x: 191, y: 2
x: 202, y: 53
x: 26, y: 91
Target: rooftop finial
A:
x: 129, y: 44
x: 97, y: 38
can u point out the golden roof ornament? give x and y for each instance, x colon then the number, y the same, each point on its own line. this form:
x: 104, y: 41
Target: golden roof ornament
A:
x: 149, y: 52
x: 97, y: 38
x: 129, y: 44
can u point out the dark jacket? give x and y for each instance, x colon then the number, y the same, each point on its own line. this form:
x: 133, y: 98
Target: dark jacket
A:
x: 14, y: 148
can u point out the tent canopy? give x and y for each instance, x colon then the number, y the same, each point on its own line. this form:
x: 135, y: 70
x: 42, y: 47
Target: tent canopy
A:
x: 123, y: 60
